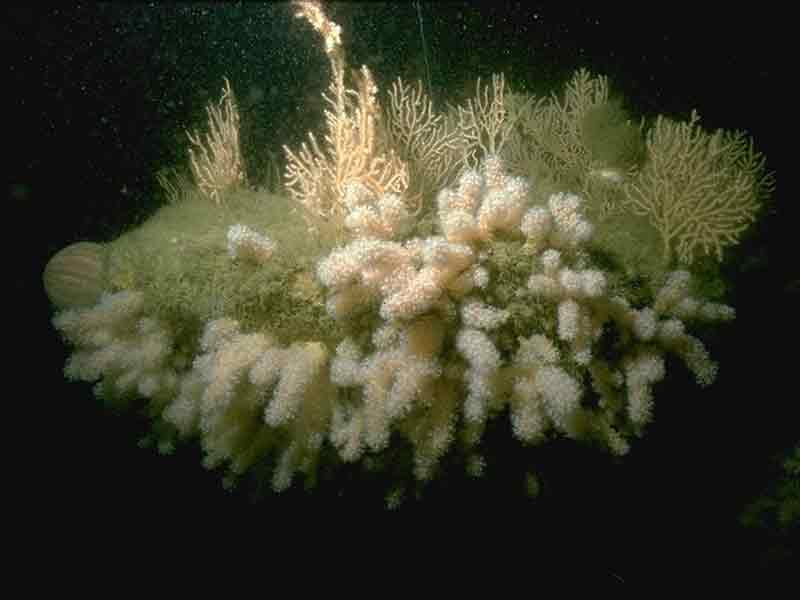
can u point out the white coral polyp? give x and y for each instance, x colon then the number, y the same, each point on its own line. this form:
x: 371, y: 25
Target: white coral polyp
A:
x: 247, y: 244
x: 561, y: 395
x: 478, y: 315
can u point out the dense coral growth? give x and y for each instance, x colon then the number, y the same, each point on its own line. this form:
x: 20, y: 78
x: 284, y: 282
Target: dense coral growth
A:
x: 288, y: 335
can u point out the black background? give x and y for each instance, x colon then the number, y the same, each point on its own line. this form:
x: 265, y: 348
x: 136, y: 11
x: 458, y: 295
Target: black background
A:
x: 96, y: 99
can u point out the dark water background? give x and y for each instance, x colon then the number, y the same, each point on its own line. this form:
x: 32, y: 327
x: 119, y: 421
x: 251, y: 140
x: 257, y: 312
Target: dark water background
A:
x: 97, y: 98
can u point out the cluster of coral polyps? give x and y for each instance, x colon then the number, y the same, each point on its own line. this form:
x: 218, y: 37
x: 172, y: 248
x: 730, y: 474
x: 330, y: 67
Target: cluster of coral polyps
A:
x: 501, y: 312
x: 434, y: 360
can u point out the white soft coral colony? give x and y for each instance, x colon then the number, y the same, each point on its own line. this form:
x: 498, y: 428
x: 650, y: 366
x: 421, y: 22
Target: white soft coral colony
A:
x: 411, y: 328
